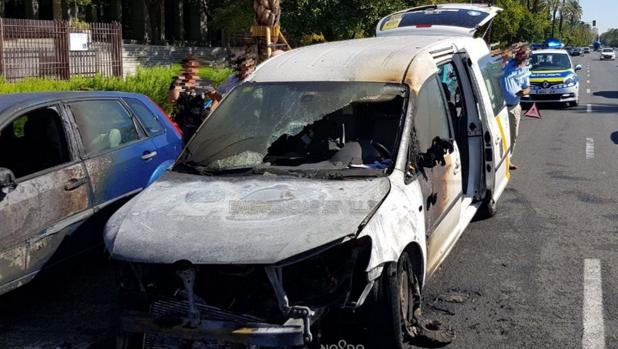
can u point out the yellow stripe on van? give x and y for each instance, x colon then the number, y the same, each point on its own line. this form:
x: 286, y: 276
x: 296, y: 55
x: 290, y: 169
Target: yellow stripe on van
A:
x: 504, y: 147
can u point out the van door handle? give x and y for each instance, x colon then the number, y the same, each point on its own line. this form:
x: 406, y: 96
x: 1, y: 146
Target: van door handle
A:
x: 149, y: 155
x: 74, y: 183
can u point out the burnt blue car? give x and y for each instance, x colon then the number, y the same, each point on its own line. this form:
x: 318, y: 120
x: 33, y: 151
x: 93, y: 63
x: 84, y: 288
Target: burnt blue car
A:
x: 67, y: 162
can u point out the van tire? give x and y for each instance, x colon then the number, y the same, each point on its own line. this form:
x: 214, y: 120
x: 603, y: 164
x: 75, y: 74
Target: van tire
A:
x: 389, y: 326
x: 126, y: 340
x: 488, y: 207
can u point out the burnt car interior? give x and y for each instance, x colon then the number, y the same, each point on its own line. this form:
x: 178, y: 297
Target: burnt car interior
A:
x: 358, y: 135
x: 37, y: 142
x: 459, y: 118
x: 103, y: 125
x: 318, y: 129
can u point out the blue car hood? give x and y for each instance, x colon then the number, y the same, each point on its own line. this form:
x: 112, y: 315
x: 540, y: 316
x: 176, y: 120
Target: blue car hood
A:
x: 240, y: 220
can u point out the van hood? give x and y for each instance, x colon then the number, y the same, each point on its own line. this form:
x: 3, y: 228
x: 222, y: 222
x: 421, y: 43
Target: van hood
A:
x: 239, y: 220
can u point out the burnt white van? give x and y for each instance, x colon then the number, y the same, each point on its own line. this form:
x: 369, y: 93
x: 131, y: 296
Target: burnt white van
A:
x: 338, y: 176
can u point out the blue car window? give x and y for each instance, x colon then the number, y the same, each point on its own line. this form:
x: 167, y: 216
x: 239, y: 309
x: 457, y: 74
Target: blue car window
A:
x: 103, y: 125
x: 148, y: 119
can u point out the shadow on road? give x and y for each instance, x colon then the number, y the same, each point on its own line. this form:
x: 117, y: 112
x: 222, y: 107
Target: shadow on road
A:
x: 599, y: 108
x: 606, y: 94
x: 614, y: 137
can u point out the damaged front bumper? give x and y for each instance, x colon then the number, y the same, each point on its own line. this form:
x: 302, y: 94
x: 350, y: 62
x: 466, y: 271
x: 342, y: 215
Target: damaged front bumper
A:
x: 284, y: 300
x: 290, y: 334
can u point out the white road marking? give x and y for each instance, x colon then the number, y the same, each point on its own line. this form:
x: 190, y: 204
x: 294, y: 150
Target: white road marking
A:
x: 594, y: 328
x: 589, y: 148
x: 588, y: 108
x: 588, y: 91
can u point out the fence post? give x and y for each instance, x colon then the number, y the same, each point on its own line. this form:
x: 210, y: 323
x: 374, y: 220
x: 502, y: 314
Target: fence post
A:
x: 117, y: 49
x: 65, y: 61
x: 2, y: 65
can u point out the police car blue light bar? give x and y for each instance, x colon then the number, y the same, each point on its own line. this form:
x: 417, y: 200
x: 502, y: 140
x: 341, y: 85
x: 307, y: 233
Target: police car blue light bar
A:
x: 553, y: 43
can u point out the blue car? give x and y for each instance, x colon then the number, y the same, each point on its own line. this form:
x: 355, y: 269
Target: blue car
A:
x: 67, y: 162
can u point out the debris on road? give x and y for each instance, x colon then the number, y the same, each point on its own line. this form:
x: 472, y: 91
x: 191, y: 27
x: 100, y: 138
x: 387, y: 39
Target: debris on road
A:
x: 434, y: 334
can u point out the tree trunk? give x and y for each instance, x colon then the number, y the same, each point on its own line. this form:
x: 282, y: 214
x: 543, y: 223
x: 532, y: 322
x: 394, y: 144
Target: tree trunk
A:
x: 561, y: 16
x: 31, y: 9
x: 116, y: 11
x: 157, y: 21
x: 553, y: 21
x: 57, y: 9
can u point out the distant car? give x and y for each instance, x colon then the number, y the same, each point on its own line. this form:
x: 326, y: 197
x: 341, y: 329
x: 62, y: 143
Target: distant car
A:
x: 576, y: 51
x: 586, y: 49
x: 608, y: 53
x: 67, y: 159
x: 553, y: 78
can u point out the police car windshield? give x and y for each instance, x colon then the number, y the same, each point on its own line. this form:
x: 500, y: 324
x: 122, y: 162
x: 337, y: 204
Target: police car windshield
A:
x: 550, y: 61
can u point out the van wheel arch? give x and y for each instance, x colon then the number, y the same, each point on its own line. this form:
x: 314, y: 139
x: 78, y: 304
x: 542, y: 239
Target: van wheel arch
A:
x: 386, y: 315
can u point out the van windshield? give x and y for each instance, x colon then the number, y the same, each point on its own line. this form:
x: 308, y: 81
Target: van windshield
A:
x: 308, y: 128
x: 550, y: 61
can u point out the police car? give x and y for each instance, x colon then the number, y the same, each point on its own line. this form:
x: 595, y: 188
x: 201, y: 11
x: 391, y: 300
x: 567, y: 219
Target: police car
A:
x: 553, y: 77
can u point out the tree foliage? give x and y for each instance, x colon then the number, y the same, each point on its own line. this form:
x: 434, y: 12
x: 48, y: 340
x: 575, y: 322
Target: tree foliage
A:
x: 521, y: 20
x: 610, y: 38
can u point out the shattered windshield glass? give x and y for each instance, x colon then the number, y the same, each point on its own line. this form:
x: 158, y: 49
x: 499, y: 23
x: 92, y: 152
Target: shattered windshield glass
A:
x: 301, y: 126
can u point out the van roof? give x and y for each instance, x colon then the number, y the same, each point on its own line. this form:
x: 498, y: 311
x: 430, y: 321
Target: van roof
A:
x: 384, y: 59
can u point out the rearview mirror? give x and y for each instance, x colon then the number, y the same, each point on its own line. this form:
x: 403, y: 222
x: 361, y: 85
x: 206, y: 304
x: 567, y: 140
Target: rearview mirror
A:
x: 578, y: 67
x: 7, y: 182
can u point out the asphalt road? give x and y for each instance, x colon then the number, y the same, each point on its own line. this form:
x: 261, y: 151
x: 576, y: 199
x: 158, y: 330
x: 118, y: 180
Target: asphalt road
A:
x: 526, y: 278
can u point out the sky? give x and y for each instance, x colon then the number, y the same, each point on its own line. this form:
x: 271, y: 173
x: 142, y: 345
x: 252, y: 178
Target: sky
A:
x: 604, y: 11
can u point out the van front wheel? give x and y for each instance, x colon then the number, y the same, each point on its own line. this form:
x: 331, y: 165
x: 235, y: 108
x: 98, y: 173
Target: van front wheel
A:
x: 397, y: 304
x: 488, y: 207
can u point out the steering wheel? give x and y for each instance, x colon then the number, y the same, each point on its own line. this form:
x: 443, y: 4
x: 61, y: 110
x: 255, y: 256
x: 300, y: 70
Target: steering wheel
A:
x: 386, y: 154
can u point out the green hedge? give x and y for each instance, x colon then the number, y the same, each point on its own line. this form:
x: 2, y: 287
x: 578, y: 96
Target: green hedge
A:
x: 153, y: 82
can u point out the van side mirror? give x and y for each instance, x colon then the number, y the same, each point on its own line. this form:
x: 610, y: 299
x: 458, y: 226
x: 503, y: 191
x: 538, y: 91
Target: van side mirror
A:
x: 578, y: 67
x: 7, y: 182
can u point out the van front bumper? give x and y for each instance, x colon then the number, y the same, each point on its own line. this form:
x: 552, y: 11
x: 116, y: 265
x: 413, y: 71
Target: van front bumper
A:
x: 290, y: 334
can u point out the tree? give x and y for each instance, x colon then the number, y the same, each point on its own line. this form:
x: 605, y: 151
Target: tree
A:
x: 610, y: 38
x: 336, y: 19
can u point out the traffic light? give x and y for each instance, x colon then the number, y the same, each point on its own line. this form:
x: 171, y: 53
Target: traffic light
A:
x: 594, y: 23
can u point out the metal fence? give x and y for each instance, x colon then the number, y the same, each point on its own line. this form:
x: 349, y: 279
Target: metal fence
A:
x: 55, y: 49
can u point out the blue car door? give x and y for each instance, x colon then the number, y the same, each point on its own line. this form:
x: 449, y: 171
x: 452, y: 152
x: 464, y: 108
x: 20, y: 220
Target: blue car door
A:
x: 120, y: 158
